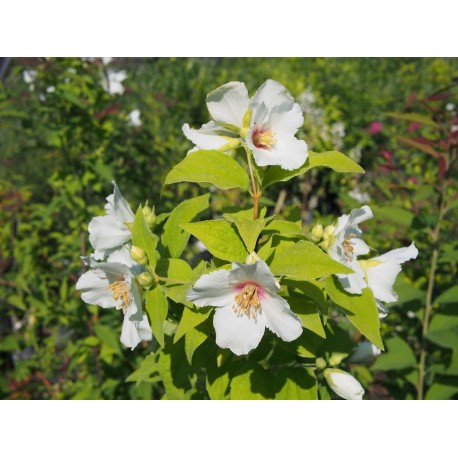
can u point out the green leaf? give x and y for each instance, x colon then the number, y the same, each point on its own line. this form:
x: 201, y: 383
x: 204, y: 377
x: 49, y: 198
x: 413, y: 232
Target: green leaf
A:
x: 143, y: 238
x: 443, y: 329
x: 414, y: 117
x: 398, y: 356
x: 442, y: 390
x: 361, y: 310
x: 394, y: 215
x: 220, y: 238
x: 174, y: 239
x: 448, y: 297
x: 331, y: 159
x: 254, y: 383
x: 249, y: 230
x: 175, y: 269
x: 174, y: 370
x: 428, y: 149
x: 145, y: 371
x: 304, y: 261
x: 217, y: 384
x: 308, y: 313
x: 283, y: 228
x: 191, y: 318
x: 193, y: 339
x: 209, y: 167
x: 296, y: 384
x: 157, y: 308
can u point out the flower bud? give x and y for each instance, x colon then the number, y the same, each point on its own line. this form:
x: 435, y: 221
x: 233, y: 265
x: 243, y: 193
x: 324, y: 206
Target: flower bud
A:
x: 146, y: 279
x: 329, y: 231
x: 252, y: 258
x: 344, y: 384
x: 365, y: 352
x: 316, y: 233
x: 320, y: 363
x: 150, y: 216
x: 336, y: 358
x: 138, y: 255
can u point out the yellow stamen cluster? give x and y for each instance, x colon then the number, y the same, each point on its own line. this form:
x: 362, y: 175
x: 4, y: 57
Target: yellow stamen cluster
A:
x: 264, y: 139
x: 348, y: 246
x: 121, y: 291
x: 247, y: 301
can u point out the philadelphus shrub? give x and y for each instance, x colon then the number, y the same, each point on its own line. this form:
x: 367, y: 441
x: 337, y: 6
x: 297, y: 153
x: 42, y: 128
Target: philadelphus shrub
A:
x: 265, y: 273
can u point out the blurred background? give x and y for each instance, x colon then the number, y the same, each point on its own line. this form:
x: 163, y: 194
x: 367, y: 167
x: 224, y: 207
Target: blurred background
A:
x: 69, y: 126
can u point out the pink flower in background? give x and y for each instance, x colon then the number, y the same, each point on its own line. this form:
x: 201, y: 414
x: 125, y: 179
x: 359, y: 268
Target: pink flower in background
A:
x: 413, y: 127
x: 375, y: 127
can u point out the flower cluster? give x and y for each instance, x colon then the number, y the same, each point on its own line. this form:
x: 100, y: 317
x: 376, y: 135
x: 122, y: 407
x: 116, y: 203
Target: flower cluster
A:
x: 343, y: 243
x: 266, y: 124
x: 112, y: 283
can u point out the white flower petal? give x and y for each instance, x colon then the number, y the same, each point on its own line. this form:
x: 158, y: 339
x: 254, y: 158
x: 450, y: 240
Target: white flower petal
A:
x: 286, y: 122
x: 280, y: 319
x: 106, y: 233
x: 95, y: 290
x: 258, y: 272
x: 212, y: 289
x: 229, y: 103
x: 353, y: 283
x: 364, y: 353
x: 272, y: 94
x: 239, y: 333
x: 360, y: 247
x: 121, y: 255
x: 122, y: 208
x: 207, y: 137
x: 344, y: 384
x: 129, y: 334
x: 399, y: 255
x: 360, y: 215
x: 289, y: 153
x: 144, y: 329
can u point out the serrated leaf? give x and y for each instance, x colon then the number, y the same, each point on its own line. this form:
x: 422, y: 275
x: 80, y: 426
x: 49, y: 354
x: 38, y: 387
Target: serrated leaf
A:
x: 296, y: 384
x: 283, y: 227
x: 249, y: 230
x: 361, y: 310
x: 143, y: 238
x: 191, y: 318
x: 398, y: 356
x: 213, y: 167
x: 145, y: 371
x: 331, y: 159
x: 303, y: 261
x: 174, y: 239
x: 217, y: 385
x: 157, y: 309
x: 220, y: 238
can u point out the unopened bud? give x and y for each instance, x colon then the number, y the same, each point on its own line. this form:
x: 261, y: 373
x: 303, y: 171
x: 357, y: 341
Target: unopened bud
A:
x: 138, y: 255
x: 320, y: 363
x: 344, y: 384
x: 149, y: 214
x: 316, y: 234
x: 145, y: 279
x: 325, y: 245
x: 337, y: 358
x: 329, y: 231
x: 252, y: 258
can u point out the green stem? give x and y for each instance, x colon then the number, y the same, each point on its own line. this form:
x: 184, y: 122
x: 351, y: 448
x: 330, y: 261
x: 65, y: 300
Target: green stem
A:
x: 256, y: 192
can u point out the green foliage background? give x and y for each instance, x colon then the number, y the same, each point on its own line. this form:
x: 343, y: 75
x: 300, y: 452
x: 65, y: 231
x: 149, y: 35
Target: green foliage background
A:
x: 60, y: 150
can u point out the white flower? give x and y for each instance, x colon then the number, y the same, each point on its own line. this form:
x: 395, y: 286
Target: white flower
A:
x: 108, y: 234
x: 113, y: 82
x: 134, y: 118
x: 113, y: 285
x: 228, y: 106
x: 450, y: 106
x: 364, y: 353
x: 344, y: 384
x: 380, y: 273
x: 358, y: 195
x: 50, y: 89
x: 29, y: 77
x: 346, y: 245
x: 246, y: 302
x: 275, y: 119
x: 106, y: 60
